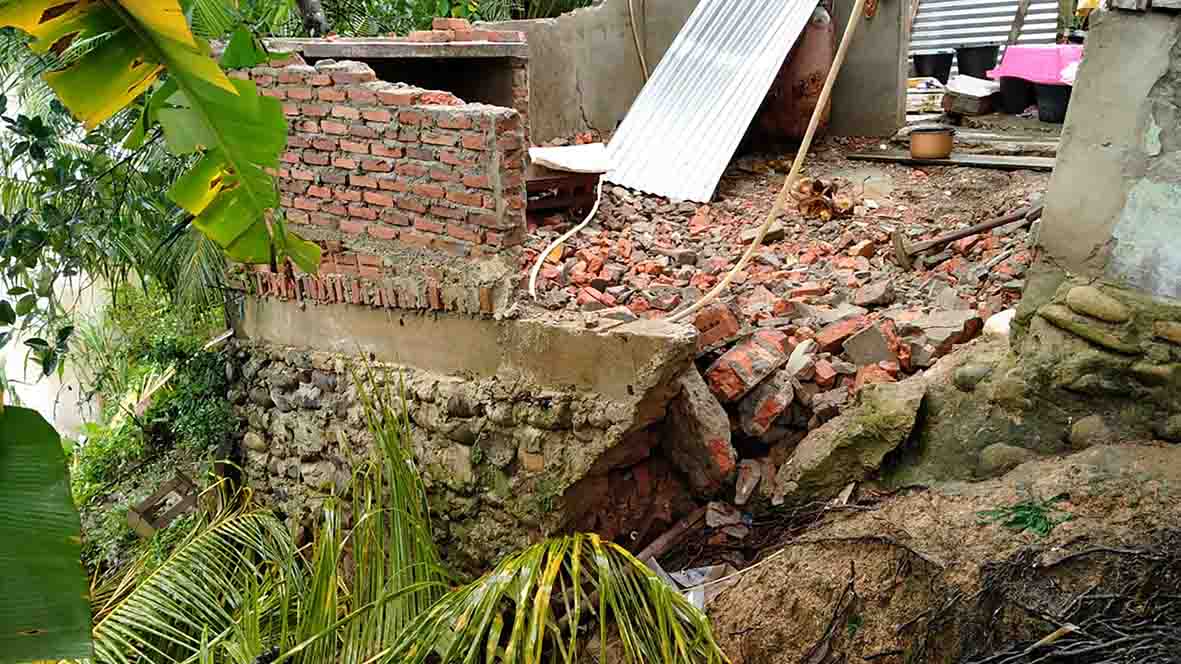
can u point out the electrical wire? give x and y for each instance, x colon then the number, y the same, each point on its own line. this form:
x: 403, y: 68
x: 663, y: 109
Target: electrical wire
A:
x: 562, y: 239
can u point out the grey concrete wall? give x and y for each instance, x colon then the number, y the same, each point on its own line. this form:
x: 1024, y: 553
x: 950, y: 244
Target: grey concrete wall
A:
x: 1115, y: 198
x: 870, y: 95
x: 585, y: 72
x: 584, y: 66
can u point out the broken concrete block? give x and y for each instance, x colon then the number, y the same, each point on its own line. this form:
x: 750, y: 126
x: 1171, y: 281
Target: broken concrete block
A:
x: 869, y: 346
x: 827, y: 405
x: 877, y: 294
x: 747, y: 364
x: 945, y: 329
x: 697, y: 435
x: 759, y: 409
x: 851, y: 447
x: 774, y: 234
x: 750, y: 471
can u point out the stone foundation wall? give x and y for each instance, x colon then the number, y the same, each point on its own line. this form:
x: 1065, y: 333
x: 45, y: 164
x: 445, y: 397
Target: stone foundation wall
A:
x: 509, y: 451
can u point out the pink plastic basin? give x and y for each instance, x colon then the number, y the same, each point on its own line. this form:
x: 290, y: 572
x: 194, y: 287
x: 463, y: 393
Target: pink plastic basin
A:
x: 1052, y: 64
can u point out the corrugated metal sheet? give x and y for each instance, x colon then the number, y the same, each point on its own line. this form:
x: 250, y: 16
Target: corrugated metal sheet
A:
x: 946, y: 24
x: 682, y: 130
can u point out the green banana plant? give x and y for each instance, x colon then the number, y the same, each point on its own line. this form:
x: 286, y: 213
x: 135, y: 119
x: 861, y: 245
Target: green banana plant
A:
x: 116, y: 50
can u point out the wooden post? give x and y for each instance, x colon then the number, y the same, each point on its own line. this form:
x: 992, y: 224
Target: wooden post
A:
x: 1018, y: 22
x: 145, y: 518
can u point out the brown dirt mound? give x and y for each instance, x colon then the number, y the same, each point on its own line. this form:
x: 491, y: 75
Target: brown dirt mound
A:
x: 919, y: 578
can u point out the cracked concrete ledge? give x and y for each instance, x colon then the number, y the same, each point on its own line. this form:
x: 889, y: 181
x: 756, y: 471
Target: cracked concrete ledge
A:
x: 511, y: 419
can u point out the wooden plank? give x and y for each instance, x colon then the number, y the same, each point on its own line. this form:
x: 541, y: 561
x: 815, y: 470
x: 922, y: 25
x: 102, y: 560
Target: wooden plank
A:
x: 1130, y: 5
x: 1166, y: 4
x: 971, y: 160
x: 1018, y: 21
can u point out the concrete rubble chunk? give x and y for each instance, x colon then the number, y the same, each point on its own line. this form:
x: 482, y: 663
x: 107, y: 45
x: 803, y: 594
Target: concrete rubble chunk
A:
x: 800, y: 358
x: 851, y: 447
x: 877, y: 294
x: 827, y: 405
x: 697, y: 435
x: 747, y: 364
x: 750, y: 471
x: 774, y: 234
x: 945, y: 329
x: 869, y: 346
x: 759, y: 410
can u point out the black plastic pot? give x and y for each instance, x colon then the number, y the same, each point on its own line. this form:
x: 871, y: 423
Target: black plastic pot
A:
x: 1016, y: 95
x: 976, y: 60
x: 936, y: 65
x: 1052, y: 101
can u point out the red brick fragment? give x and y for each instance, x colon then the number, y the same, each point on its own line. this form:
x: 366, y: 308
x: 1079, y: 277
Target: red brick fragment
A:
x: 746, y: 365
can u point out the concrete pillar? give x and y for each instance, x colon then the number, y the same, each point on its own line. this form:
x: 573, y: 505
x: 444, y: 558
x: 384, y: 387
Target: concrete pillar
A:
x: 1114, y: 203
x: 870, y: 95
x: 1098, y: 331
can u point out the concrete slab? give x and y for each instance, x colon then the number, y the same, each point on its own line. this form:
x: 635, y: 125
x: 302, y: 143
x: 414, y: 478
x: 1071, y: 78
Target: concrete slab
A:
x: 394, y: 48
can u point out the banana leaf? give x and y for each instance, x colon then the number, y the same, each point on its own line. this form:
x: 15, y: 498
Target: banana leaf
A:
x: 44, y: 608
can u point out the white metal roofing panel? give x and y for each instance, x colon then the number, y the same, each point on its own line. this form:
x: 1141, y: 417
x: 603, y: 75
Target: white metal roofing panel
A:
x: 682, y: 130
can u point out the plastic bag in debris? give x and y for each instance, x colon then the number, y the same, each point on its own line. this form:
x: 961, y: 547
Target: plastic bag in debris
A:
x: 699, y: 585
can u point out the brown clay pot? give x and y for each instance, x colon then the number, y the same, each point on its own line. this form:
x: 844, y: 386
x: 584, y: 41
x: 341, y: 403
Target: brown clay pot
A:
x: 932, y: 143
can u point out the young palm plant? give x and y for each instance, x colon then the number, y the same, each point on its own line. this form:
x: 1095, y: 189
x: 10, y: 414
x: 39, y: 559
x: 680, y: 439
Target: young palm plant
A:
x: 378, y: 592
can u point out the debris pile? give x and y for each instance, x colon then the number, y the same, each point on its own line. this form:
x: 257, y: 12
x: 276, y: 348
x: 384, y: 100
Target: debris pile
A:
x: 823, y: 310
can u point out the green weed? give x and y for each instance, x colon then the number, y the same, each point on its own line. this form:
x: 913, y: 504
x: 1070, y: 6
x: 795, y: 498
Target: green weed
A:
x: 1034, y: 515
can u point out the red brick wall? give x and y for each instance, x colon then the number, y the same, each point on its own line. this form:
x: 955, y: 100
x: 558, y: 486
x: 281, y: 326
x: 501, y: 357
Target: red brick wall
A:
x: 400, y: 186
x: 396, y: 164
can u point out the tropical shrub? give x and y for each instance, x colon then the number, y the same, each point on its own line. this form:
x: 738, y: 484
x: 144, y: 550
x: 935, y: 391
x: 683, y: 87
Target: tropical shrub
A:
x: 372, y: 588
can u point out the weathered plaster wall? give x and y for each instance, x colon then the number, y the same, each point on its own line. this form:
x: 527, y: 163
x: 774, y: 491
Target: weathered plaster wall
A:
x: 517, y: 425
x: 1113, y: 203
x: 585, y: 72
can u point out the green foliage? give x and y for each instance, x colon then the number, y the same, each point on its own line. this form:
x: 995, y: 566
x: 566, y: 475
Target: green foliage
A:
x: 43, y: 610
x: 124, y: 354
x: 371, y: 587
x: 1034, y: 515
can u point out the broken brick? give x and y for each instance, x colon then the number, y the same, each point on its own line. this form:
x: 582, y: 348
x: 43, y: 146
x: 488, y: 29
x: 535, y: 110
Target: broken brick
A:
x: 872, y: 374
x: 747, y: 364
x: 825, y: 374
x: 865, y: 249
x: 759, y: 410
x: 715, y: 323
x: 809, y: 289
x: 831, y: 337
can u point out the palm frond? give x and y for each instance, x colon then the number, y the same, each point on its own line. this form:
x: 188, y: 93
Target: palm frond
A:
x: 392, y: 540
x: 509, y: 615
x: 163, y: 617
